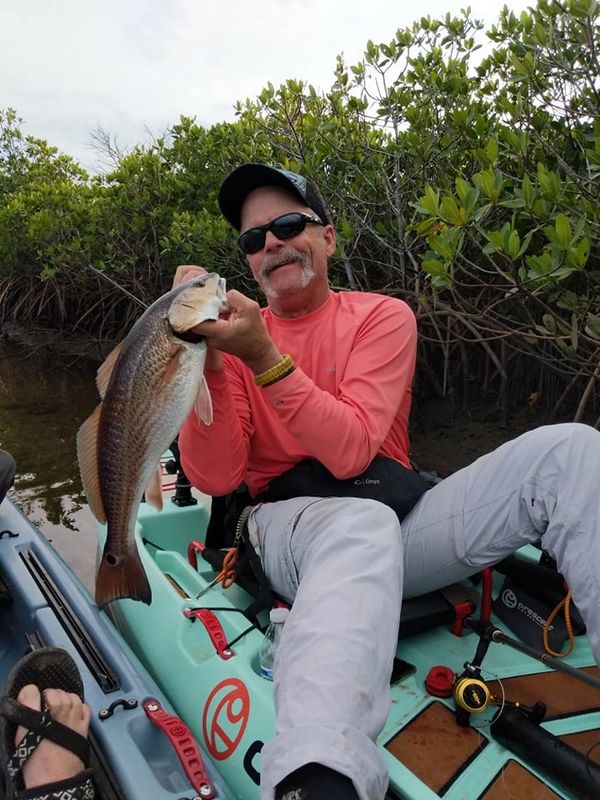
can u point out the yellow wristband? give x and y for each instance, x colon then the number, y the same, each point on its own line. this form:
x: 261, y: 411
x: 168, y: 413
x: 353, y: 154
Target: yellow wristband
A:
x: 280, y: 370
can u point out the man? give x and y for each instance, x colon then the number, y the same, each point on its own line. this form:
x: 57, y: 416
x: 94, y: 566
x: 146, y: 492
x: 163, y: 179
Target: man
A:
x: 325, y: 375
x: 7, y: 473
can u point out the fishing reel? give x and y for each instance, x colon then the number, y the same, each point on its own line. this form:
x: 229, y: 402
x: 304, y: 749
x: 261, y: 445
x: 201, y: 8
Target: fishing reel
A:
x: 472, y: 695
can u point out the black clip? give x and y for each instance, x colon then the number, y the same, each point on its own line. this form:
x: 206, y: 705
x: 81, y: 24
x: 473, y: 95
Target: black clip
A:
x: 9, y: 534
x: 127, y: 705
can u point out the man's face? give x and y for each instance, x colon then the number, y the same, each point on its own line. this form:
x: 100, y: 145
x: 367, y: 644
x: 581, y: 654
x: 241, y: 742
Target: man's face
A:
x: 283, y: 268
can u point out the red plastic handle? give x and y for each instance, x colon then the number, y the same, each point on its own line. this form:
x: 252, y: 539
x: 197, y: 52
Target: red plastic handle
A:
x: 213, y: 628
x: 185, y: 746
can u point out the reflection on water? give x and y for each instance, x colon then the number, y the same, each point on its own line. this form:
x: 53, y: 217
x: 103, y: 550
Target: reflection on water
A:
x: 43, y: 401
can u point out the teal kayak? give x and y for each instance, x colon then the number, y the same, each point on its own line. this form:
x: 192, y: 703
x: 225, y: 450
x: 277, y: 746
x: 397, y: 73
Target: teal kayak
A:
x: 510, y: 726
x: 140, y: 750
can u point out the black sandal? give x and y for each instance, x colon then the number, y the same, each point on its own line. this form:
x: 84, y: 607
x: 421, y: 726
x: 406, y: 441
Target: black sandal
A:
x: 47, y: 668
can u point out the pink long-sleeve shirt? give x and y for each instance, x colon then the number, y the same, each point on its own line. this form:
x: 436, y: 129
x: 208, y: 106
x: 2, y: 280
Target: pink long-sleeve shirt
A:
x: 347, y: 400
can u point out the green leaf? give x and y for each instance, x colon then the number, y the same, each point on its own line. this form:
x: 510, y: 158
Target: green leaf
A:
x: 451, y: 212
x: 431, y: 201
x: 491, y: 151
x: 592, y: 325
x: 438, y: 273
x: 527, y: 188
x: 462, y: 189
x: 496, y: 239
x: 550, y: 322
x: 563, y: 231
x: 514, y: 244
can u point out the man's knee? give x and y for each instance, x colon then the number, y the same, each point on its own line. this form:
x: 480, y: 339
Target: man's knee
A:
x: 372, y: 523
x: 573, y: 439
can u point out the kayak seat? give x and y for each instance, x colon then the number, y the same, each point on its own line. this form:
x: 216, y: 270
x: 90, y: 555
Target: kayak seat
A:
x: 448, y: 606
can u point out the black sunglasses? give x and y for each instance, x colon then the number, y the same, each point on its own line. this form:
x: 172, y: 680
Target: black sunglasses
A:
x: 285, y: 227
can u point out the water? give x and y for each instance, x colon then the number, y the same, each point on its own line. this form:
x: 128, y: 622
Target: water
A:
x: 43, y: 401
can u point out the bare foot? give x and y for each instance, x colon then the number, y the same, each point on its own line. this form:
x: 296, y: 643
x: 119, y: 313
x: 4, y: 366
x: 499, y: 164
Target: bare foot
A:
x: 50, y: 762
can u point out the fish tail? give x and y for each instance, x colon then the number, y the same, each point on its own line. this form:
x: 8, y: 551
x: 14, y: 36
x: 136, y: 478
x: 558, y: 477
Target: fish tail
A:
x: 122, y: 578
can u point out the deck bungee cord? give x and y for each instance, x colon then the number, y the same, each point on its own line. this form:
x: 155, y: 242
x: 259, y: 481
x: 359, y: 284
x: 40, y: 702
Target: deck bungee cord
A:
x: 565, y: 604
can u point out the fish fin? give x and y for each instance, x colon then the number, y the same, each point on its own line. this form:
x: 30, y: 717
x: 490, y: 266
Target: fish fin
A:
x: 179, y: 353
x: 203, y: 404
x: 122, y: 578
x: 153, y: 493
x: 87, y: 456
x: 105, y: 370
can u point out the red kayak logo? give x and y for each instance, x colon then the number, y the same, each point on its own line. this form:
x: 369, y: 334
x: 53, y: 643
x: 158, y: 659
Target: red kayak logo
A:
x: 225, y: 717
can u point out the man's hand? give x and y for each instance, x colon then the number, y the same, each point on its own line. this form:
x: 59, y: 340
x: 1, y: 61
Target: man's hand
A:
x: 242, y: 333
x: 185, y: 272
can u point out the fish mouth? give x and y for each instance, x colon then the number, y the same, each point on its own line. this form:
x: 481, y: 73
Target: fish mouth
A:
x: 188, y: 336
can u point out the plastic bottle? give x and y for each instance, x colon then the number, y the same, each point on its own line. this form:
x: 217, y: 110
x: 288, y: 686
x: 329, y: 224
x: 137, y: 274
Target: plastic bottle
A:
x: 271, y: 639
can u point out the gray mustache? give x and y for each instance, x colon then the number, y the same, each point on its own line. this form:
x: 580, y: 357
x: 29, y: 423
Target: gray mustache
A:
x: 283, y: 256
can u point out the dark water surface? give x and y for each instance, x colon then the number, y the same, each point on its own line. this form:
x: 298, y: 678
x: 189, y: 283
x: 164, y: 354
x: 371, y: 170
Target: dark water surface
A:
x: 43, y: 401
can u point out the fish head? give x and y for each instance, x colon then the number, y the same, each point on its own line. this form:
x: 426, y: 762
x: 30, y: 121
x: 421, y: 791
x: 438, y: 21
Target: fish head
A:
x: 200, y: 299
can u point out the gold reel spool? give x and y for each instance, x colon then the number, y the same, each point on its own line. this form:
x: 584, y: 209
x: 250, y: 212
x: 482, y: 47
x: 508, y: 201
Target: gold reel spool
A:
x: 471, y: 695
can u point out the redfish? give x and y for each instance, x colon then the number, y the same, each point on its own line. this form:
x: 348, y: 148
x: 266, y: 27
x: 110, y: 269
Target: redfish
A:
x: 149, y: 384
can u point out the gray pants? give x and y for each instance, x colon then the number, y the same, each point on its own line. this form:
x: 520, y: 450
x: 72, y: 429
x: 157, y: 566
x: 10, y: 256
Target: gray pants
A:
x: 346, y: 563
x: 7, y: 473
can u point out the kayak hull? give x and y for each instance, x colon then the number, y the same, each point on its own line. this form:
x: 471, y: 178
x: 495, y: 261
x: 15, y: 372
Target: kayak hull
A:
x: 50, y: 607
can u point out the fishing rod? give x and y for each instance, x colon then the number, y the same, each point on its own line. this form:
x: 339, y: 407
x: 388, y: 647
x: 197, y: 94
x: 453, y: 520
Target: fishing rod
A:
x: 490, y: 633
x: 118, y: 286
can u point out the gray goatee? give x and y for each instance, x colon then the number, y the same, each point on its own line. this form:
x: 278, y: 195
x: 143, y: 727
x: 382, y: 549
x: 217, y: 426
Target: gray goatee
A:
x: 286, y: 255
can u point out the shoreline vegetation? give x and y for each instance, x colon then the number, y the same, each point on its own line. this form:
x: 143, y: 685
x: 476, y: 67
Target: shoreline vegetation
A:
x: 466, y: 184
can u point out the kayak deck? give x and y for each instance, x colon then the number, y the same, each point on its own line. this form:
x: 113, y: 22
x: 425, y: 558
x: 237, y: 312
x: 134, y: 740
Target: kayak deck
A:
x: 229, y: 707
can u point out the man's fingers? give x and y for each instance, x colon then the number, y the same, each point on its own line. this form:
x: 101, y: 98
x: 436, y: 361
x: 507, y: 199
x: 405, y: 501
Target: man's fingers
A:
x: 236, y: 299
x: 186, y: 272
x: 210, y: 328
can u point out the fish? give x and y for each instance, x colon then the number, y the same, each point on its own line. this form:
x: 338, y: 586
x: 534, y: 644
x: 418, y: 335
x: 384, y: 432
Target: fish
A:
x: 148, y: 386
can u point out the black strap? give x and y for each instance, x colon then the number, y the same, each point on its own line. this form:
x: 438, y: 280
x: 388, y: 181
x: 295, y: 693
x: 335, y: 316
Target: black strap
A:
x: 250, y: 574
x: 54, y: 731
x: 263, y: 597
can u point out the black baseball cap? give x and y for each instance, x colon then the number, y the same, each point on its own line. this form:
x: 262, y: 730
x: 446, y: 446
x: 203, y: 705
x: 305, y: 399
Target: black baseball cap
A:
x: 247, y: 177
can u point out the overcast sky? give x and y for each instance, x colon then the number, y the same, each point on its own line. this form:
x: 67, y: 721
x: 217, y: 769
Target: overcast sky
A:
x: 133, y: 66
